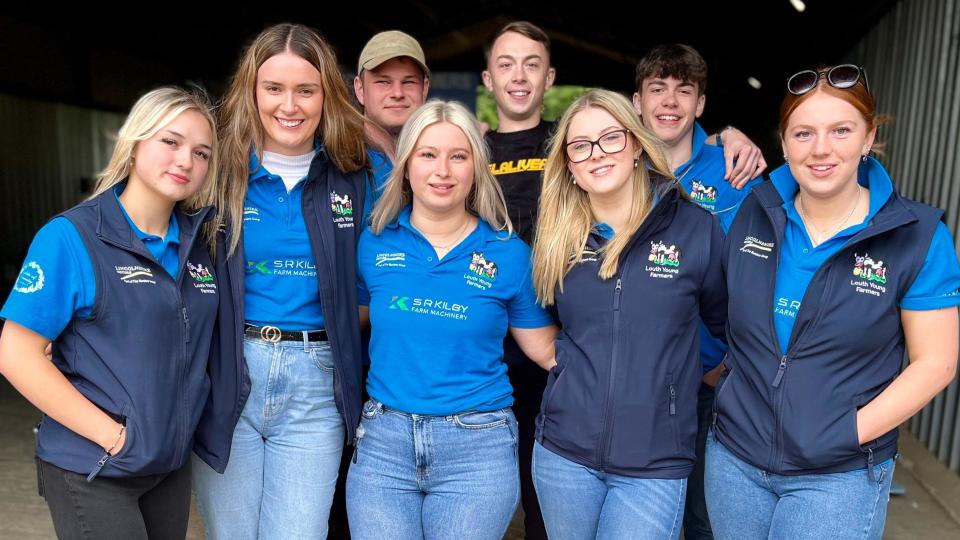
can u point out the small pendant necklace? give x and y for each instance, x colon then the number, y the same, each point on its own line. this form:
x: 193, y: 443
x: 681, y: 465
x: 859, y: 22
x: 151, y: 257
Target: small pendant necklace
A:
x: 821, y: 235
x: 459, y: 236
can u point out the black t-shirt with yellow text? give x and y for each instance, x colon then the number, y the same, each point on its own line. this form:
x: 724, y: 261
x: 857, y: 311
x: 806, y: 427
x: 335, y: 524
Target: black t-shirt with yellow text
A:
x: 517, y: 161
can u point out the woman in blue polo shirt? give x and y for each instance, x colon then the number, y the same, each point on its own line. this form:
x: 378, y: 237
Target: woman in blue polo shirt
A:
x: 630, y: 265
x: 444, y: 279
x: 851, y: 274
x: 293, y: 173
x: 122, y: 285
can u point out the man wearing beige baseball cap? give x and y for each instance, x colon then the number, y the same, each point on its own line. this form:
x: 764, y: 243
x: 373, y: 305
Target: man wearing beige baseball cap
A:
x: 392, y: 81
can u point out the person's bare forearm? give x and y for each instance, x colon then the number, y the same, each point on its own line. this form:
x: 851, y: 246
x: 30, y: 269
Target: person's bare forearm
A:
x: 23, y: 363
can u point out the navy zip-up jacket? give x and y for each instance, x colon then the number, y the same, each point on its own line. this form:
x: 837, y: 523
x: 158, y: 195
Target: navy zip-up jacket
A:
x: 142, y: 354
x: 795, y: 413
x: 333, y: 240
x: 623, y: 396
x: 227, y: 370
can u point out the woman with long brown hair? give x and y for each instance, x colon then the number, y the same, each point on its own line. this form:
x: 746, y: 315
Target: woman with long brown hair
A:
x: 293, y: 171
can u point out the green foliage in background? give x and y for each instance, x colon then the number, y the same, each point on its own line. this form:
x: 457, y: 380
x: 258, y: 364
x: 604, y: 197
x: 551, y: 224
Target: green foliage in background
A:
x: 555, y: 101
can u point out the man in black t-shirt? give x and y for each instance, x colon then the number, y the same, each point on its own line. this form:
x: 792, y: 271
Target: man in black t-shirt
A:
x: 518, y: 73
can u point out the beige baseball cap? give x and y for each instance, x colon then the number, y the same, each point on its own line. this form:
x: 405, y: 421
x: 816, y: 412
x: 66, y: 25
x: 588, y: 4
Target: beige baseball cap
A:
x: 391, y: 44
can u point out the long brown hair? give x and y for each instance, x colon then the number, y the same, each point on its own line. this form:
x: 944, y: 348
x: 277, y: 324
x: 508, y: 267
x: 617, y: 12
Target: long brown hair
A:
x: 341, y: 126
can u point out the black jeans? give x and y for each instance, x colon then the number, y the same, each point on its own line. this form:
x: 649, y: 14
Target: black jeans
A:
x: 696, y: 522
x: 154, y: 507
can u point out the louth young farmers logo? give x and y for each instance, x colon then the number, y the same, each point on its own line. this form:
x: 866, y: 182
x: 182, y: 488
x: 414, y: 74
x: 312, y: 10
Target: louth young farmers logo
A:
x: 664, y: 260
x: 663, y: 255
x: 870, y: 276
x: 199, y: 273
x: 341, y: 204
x: 867, y: 268
x: 482, y: 267
x: 703, y: 193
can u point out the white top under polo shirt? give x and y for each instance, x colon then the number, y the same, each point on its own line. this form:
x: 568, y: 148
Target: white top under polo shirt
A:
x: 280, y: 287
x: 438, y: 325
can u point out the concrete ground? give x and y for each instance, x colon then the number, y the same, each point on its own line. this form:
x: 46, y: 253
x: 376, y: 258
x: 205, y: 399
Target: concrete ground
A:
x: 929, y: 511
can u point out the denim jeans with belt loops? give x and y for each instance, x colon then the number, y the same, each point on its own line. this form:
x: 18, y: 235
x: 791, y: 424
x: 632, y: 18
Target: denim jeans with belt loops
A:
x: 432, y: 477
x: 285, y: 457
x: 748, y: 502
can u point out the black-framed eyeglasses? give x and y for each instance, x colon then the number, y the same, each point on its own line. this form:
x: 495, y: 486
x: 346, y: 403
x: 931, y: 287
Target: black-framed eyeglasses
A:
x: 609, y: 143
x: 842, y: 76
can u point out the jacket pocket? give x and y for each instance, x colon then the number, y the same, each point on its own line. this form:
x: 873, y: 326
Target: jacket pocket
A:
x: 722, y: 385
x: 672, y: 409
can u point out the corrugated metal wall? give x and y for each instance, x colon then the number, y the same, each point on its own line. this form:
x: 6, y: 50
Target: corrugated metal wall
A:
x: 46, y: 150
x: 912, y: 59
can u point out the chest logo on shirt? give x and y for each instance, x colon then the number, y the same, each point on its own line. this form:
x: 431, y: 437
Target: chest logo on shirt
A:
x: 251, y: 214
x: 395, y: 260
x: 756, y: 247
x: 30, y: 279
x: 703, y: 193
x: 589, y: 255
x: 871, y: 274
x: 436, y: 307
x: 202, y: 278
x: 135, y: 274
x: 342, y: 208
x: 520, y: 165
x: 664, y: 259
x: 482, y: 272
x: 282, y: 267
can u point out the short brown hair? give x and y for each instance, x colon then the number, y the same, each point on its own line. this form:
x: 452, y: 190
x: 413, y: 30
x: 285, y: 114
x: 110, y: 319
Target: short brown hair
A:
x: 682, y: 62
x: 524, y: 28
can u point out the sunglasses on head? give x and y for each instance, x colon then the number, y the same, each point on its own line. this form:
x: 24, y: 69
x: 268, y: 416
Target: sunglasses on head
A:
x: 842, y: 76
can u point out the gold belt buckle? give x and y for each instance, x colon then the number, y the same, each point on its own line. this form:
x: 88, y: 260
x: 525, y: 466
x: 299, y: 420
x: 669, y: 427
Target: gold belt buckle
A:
x: 270, y: 333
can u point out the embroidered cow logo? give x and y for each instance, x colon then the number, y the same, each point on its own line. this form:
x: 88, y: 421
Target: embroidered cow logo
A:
x: 341, y: 204
x: 703, y: 193
x: 482, y: 267
x: 199, y: 273
x: 867, y: 268
x: 663, y: 255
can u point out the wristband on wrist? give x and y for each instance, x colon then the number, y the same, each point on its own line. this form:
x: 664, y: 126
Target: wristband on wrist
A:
x: 116, y: 442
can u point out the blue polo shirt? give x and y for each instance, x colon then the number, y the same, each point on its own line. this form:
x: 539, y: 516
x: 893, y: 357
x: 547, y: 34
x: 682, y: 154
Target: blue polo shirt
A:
x: 57, y: 282
x: 280, y: 287
x: 438, y: 325
x: 382, y: 167
x: 935, y: 286
x: 702, y: 178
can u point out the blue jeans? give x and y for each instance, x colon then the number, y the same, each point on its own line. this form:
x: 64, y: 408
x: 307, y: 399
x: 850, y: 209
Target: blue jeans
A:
x: 426, y: 477
x: 580, y: 503
x: 746, y: 502
x: 285, y: 457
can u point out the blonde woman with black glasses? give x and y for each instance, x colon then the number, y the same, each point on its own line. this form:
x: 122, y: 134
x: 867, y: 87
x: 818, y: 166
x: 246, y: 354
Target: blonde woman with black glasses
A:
x: 630, y: 265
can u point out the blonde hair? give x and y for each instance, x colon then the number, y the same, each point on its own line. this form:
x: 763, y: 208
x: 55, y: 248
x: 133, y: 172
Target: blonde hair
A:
x: 485, y: 199
x: 341, y: 126
x: 151, y: 113
x: 566, y: 217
